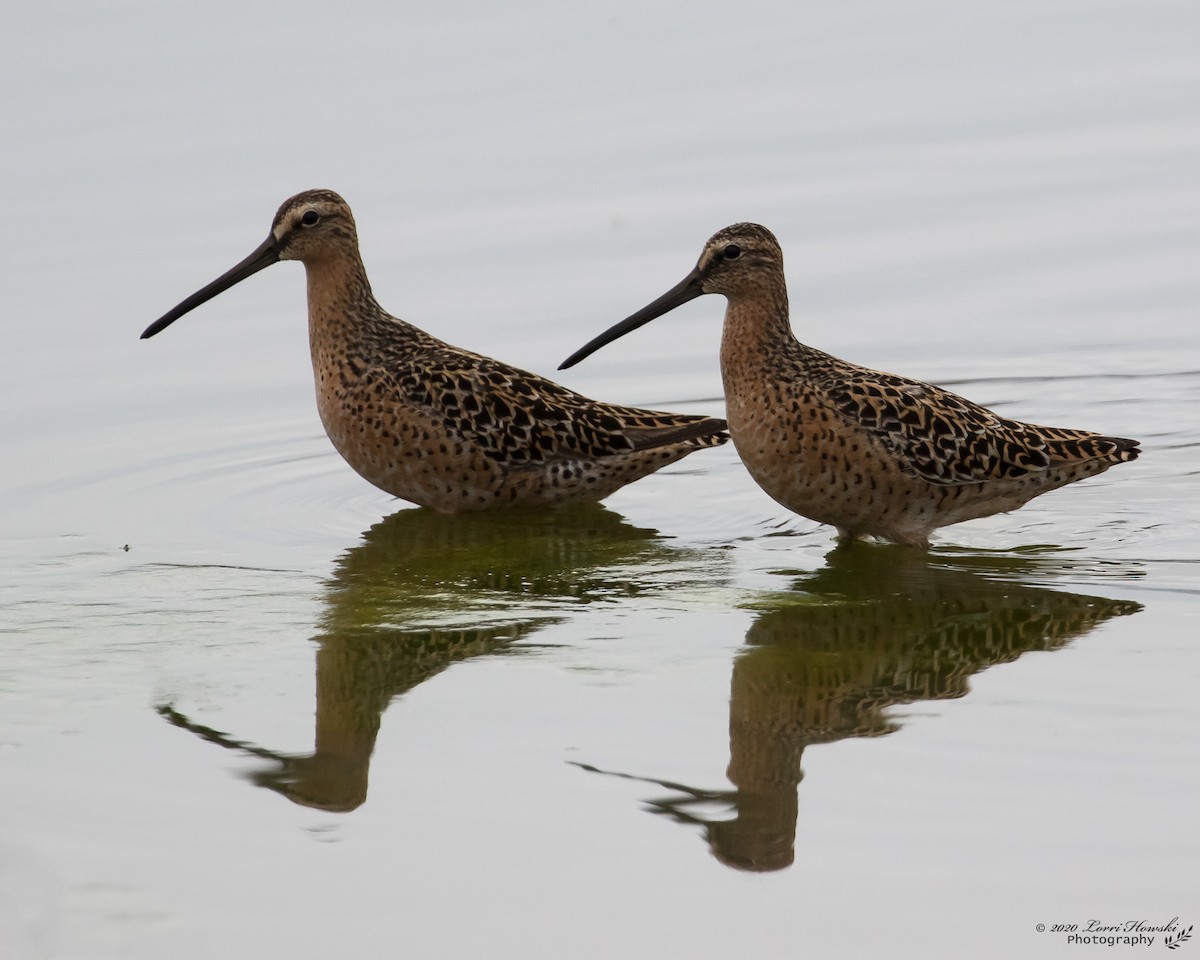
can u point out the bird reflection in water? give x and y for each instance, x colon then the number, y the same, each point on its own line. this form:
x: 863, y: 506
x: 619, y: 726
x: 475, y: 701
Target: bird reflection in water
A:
x: 877, y: 627
x: 425, y: 590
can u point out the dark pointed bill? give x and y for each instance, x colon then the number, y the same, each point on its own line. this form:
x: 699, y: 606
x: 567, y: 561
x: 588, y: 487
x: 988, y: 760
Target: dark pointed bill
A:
x: 266, y: 254
x: 689, y: 288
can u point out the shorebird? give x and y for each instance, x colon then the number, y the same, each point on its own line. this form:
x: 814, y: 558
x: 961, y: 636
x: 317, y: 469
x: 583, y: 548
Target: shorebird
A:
x: 434, y: 424
x: 873, y: 454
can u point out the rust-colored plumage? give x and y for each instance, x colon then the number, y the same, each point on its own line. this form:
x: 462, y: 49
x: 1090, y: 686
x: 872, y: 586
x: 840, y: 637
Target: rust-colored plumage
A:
x: 871, y: 453
x: 436, y: 425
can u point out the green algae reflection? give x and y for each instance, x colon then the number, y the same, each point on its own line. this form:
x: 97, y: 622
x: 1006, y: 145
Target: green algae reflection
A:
x: 425, y: 590
x: 877, y: 627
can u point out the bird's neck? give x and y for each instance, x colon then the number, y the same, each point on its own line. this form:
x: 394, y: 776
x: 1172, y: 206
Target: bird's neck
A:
x: 342, y: 310
x: 337, y: 289
x: 756, y: 324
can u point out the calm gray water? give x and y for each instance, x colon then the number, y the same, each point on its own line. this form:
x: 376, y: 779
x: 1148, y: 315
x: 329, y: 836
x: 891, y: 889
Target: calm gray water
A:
x: 251, y: 706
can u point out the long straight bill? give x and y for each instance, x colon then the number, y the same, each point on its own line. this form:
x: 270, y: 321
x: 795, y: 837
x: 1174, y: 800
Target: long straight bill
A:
x: 689, y: 288
x: 265, y: 255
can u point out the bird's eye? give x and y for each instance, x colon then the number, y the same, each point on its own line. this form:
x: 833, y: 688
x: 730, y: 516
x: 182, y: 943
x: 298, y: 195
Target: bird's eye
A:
x: 310, y: 218
x: 732, y: 252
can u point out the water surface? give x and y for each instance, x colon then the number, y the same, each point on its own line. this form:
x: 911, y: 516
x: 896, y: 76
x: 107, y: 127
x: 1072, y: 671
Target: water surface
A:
x: 249, y: 704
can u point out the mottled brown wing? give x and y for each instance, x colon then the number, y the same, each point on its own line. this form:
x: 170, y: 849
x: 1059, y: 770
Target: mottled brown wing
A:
x: 517, y: 417
x: 939, y: 435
